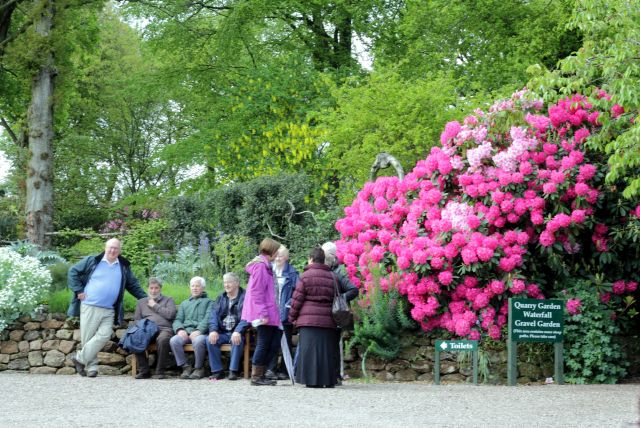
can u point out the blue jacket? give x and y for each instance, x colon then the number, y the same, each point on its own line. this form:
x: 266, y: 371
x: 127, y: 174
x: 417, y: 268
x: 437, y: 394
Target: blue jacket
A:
x: 79, y: 275
x: 138, y: 336
x: 292, y: 276
x: 221, y: 309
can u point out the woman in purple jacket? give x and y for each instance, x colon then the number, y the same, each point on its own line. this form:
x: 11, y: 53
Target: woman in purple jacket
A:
x: 311, y: 313
x: 261, y: 310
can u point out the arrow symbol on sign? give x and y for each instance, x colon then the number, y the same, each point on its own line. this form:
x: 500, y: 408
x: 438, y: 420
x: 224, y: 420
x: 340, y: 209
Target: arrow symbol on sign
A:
x: 443, y: 345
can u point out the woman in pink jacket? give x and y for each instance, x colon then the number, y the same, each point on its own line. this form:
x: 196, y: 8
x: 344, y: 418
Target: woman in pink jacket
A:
x: 261, y: 310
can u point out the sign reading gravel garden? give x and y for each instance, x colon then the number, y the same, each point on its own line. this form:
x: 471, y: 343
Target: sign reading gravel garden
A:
x: 534, y: 320
x: 456, y: 346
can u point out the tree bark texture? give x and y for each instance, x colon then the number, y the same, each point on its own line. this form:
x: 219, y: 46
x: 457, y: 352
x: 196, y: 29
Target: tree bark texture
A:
x: 39, y: 203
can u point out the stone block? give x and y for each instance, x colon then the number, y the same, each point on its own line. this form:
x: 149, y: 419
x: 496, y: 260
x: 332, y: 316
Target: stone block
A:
x: 32, y: 326
x: 24, y: 318
x: 532, y: 371
x: 429, y: 353
x: 18, y: 364
x: 453, y: 378
x: 23, y: 346
x: 17, y: 325
x: 3, y: 367
x: 110, y: 346
x: 43, y: 370
x: 16, y: 335
x: 122, y: 352
x: 8, y: 347
x: 35, y: 358
x: 76, y: 335
x: 19, y: 354
x: 421, y: 365
x: 374, y: 363
x: 4, y: 358
x: 426, y: 377
x: 50, y: 344
x: 51, y: 324
x: 41, y: 315
x: 54, y: 358
x: 4, y: 335
x: 32, y: 335
x: 49, y: 334
x: 108, y: 371
x: 60, y: 316
x: 383, y: 375
x: 447, y: 367
x: 406, y: 375
x: 64, y: 334
x: 409, y: 353
x: 120, y: 332
x: 66, y: 371
x: 109, y: 359
x: 396, y: 365
x: 66, y: 346
x: 422, y: 341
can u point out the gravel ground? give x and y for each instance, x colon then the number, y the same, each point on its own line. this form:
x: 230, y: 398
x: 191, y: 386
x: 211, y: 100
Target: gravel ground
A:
x: 108, y: 401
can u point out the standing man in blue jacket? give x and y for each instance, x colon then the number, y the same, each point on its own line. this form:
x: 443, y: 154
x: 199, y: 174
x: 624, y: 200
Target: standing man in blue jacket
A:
x: 98, y: 284
x: 225, y: 326
x: 286, y: 278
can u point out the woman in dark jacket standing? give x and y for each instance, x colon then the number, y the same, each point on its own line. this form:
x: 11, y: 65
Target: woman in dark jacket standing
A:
x: 311, y: 313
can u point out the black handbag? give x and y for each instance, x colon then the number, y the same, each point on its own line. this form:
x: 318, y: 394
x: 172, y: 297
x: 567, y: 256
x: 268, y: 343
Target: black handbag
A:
x: 340, y: 310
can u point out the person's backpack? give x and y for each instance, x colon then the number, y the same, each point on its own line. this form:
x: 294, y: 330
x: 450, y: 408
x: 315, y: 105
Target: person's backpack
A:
x: 138, y: 336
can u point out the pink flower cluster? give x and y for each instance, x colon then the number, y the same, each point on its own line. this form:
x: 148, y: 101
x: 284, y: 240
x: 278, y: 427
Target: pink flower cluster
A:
x: 455, y: 233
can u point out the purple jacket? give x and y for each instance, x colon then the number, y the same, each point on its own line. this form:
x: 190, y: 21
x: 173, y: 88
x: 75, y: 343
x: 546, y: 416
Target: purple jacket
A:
x: 260, y: 299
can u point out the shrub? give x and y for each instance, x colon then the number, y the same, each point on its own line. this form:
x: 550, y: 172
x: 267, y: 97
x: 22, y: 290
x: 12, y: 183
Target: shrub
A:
x: 23, y: 283
x: 83, y: 247
x: 592, y: 351
x: 512, y: 203
x: 138, y: 245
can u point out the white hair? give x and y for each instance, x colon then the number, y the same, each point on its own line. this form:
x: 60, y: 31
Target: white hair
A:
x: 330, y: 258
x: 199, y: 280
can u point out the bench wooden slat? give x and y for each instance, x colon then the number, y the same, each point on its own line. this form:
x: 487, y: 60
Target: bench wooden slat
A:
x: 189, y: 348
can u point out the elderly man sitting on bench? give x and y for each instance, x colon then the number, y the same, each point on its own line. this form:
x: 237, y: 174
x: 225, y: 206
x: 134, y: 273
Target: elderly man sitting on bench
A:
x: 225, y: 326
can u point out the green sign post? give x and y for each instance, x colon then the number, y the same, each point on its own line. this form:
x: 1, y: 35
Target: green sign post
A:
x: 533, y: 320
x: 457, y: 346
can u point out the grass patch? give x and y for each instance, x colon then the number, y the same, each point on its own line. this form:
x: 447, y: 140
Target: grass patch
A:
x: 59, y: 300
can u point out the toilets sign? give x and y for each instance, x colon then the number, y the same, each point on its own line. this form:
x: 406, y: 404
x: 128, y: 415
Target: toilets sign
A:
x: 533, y: 320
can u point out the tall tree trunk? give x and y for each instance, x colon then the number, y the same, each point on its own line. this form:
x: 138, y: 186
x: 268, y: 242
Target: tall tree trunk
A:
x: 39, y: 203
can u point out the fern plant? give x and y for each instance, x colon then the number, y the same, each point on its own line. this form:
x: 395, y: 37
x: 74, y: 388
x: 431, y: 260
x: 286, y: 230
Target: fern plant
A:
x: 380, y: 325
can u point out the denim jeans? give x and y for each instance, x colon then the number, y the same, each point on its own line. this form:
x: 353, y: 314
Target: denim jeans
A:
x: 215, y: 359
x: 199, y: 349
x: 267, y: 344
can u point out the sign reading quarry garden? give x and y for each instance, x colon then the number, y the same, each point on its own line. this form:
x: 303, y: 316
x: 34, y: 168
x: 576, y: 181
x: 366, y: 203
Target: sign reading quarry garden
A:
x: 534, y: 320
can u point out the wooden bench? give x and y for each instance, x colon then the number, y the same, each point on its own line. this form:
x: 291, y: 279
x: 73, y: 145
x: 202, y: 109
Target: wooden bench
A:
x: 189, y: 348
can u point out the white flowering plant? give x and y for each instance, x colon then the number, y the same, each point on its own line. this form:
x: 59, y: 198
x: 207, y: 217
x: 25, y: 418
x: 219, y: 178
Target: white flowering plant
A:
x: 24, y: 282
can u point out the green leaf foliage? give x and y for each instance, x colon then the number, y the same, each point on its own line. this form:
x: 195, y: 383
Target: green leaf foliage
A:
x: 593, y: 352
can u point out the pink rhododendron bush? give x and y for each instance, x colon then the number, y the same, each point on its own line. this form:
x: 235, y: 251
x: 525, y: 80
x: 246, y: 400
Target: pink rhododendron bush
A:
x: 511, y: 204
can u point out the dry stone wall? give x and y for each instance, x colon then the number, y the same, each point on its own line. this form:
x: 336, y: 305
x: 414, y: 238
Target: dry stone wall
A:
x: 45, y: 344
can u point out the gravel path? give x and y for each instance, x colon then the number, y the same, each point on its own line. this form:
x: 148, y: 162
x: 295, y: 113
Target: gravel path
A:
x: 72, y: 401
